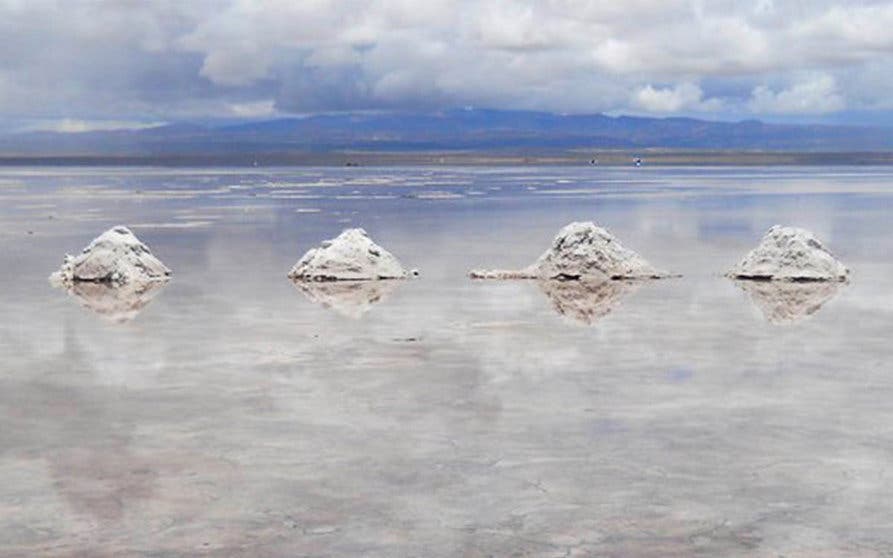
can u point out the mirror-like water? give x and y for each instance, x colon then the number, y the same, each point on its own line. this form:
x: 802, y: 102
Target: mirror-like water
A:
x: 230, y: 413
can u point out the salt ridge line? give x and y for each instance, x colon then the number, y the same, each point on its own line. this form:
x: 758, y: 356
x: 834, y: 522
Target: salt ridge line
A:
x: 580, y: 250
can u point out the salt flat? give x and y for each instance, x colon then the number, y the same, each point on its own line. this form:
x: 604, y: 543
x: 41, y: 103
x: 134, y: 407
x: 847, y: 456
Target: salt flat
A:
x: 231, y: 414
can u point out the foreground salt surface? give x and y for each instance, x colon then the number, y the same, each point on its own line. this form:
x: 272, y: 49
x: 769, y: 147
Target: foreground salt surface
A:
x: 581, y: 250
x: 458, y: 418
x: 790, y: 254
x: 351, y: 256
x: 116, y: 256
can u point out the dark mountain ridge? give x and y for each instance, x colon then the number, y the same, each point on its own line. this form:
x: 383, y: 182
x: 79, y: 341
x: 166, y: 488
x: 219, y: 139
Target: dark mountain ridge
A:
x: 461, y: 129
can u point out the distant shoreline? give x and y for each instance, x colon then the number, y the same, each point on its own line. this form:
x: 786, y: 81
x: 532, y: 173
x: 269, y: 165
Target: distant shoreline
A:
x: 575, y: 157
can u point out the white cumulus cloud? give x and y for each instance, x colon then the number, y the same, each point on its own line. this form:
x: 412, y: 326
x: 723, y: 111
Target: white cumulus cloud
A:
x: 162, y: 60
x: 682, y: 97
x: 816, y: 95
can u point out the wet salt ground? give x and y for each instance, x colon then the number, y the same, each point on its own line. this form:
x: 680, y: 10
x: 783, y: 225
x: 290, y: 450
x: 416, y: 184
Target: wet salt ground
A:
x: 236, y: 415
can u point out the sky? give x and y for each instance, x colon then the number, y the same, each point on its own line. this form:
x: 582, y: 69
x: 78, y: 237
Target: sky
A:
x: 77, y: 65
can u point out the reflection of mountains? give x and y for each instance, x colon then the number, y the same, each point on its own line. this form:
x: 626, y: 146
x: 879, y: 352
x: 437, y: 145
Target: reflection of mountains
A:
x: 787, y: 302
x: 348, y: 298
x: 586, y: 301
x: 115, y: 303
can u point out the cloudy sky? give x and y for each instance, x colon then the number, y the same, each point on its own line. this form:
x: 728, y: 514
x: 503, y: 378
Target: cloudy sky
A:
x: 84, y: 64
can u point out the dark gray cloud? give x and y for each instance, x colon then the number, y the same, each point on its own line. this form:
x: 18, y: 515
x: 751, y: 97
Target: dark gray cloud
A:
x: 88, y: 60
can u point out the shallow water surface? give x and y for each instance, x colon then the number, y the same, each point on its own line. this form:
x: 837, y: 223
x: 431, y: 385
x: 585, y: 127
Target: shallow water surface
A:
x: 231, y: 413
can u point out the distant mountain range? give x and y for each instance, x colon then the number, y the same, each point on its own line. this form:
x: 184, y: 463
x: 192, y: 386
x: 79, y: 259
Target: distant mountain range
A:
x: 463, y: 129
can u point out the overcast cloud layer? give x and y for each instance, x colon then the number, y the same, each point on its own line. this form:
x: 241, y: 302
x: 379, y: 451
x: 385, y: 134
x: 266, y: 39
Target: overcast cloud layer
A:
x: 76, y: 62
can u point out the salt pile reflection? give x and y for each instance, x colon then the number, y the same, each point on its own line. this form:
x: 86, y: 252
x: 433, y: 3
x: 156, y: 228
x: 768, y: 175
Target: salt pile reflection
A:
x: 351, y: 299
x: 785, y: 302
x: 115, y: 303
x: 587, y: 302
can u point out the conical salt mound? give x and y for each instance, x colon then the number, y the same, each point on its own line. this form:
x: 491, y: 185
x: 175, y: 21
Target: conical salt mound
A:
x: 789, y: 254
x: 351, y: 256
x: 582, y: 251
x: 116, y: 256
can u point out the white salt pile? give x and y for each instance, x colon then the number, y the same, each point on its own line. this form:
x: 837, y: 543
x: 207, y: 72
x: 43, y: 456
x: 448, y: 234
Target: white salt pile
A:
x: 789, y: 254
x: 117, y: 257
x: 580, y: 251
x: 351, y: 299
x: 785, y: 302
x: 351, y: 256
